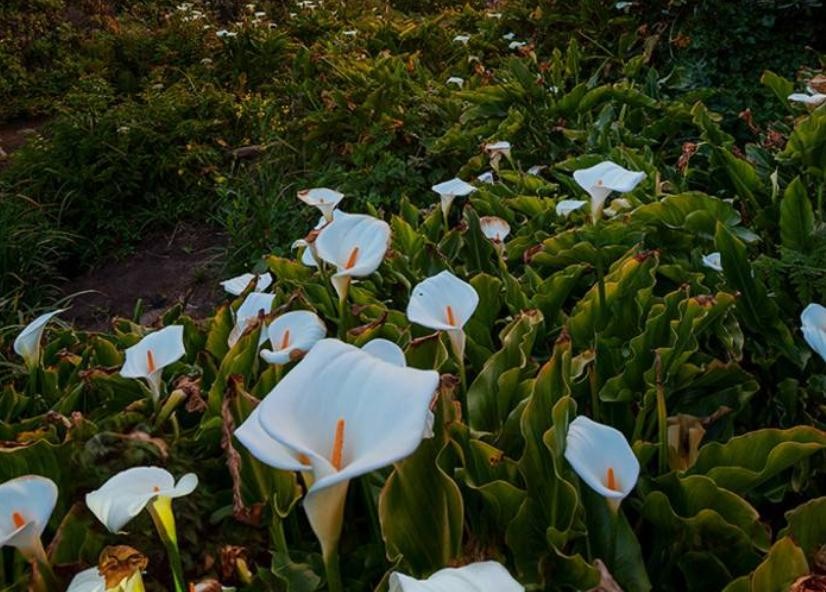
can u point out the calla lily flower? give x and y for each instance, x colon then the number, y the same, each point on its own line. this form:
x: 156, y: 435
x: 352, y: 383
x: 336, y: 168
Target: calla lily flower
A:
x: 811, y: 99
x: 88, y: 580
x: 536, y: 169
x: 342, y: 413
x: 486, y: 178
x: 601, y: 179
x: 484, y: 576
x: 509, y: 36
x: 813, y: 320
x: 496, y: 150
x: 147, y: 358
x: 463, y: 39
x: 450, y: 190
x: 254, y: 304
x: 566, y: 206
x: 27, y: 343
x: 356, y: 245
x: 460, y: 82
x: 238, y: 284
x: 445, y: 303
x: 125, y: 495
x: 602, y: 458
x: 386, y: 350
x: 713, y: 261
x: 292, y: 335
x: 307, y: 254
x: 323, y: 198
x: 494, y: 228
x: 517, y: 44
x: 26, y: 504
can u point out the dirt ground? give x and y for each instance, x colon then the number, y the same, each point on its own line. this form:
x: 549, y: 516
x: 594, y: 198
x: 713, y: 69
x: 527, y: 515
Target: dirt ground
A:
x: 14, y: 134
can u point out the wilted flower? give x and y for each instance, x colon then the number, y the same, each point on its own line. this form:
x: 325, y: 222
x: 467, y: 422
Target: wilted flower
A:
x: 238, y: 284
x: 450, y: 190
x: 496, y: 150
x: 292, y: 335
x: 713, y: 261
x: 813, y: 325
x: 27, y: 343
x: 601, y: 179
x: 484, y: 576
x: 323, y: 198
x: 147, y: 358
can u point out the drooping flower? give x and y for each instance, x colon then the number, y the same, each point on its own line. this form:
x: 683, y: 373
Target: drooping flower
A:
x: 444, y: 303
x: 811, y: 98
x: 292, y: 335
x: 494, y: 228
x: 484, y: 576
x: 27, y: 343
x: 603, y: 178
x: 147, y: 358
x: 125, y: 495
x: 566, y: 206
x: 602, y: 458
x: 813, y: 325
x: 238, y: 284
x: 26, y: 504
x: 355, y: 244
x: 255, y: 304
x: 450, y: 190
x: 713, y: 261
x: 323, y: 198
x: 339, y: 414
x: 496, y: 150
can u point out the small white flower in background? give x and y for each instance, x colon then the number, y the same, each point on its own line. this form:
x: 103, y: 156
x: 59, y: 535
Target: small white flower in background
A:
x: 486, y: 178
x: 624, y: 5
x: 566, y: 206
x: 147, y: 358
x: 238, y: 284
x: 509, y: 36
x: 450, y: 190
x: 260, y: 14
x: 811, y: 98
x: 124, y: 129
x: 602, y: 458
x: 26, y: 504
x: 125, y: 495
x: 601, y: 179
x: 27, y: 343
x: 463, y: 39
x: 206, y: 61
x: 496, y: 150
x: 494, y: 228
x: 222, y: 33
x: 351, y: 33
x: 517, y: 44
x: 460, y: 82
x: 484, y: 576
x: 813, y: 325
x: 209, y: 586
x: 88, y: 580
x: 445, y: 303
x: 323, y: 198
x: 496, y: 15
x: 713, y: 261
x: 292, y: 335
x: 255, y: 304
x: 536, y: 169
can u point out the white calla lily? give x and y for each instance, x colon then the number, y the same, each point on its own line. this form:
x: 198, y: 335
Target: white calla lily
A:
x: 255, y: 304
x: 355, y: 244
x: 484, y: 576
x: 811, y: 100
x: 444, y: 303
x: 494, y: 228
x: 292, y: 335
x: 517, y: 44
x: 463, y: 39
x: 536, y: 169
x: 238, y: 284
x: 496, y: 150
x: 125, y: 495
x: 603, y: 178
x: 509, y: 36
x: 147, y: 358
x: 323, y: 198
x: 27, y: 343
x: 88, y: 580
x: 342, y: 413
x: 486, y: 178
x: 713, y: 261
x: 602, y: 458
x: 26, y: 504
x: 566, y: 206
x: 813, y: 325
x: 307, y: 257
x: 386, y: 350
x: 450, y: 190
x: 460, y: 82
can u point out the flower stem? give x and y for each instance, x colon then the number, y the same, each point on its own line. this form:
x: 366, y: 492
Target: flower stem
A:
x: 612, y: 543
x: 333, y: 571
x: 603, y: 312
x: 662, y: 418
x: 43, y: 578
x: 164, y: 519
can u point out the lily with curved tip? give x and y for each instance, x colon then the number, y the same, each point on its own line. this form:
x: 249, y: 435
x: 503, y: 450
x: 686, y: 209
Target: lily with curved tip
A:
x: 486, y: 178
x: 386, y: 350
x: 88, y: 580
x: 27, y: 343
x: 323, y: 198
x: 292, y: 335
x: 26, y: 504
x: 496, y: 150
x: 566, y: 206
x: 308, y: 255
x: 238, y: 284
x: 811, y: 98
x: 342, y: 413
x: 355, y: 244
x: 713, y: 261
x: 602, y: 179
x: 147, y: 358
x: 255, y: 304
x: 463, y: 39
x: 495, y: 230
x: 450, y: 190
x: 125, y: 495
x: 483, y: 576
x: 460, y: 82
x: 813, y: 325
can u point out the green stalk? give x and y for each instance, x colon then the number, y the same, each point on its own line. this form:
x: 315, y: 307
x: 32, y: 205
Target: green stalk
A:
x: 164, y: 519
x: 333, y: 571
x: 593, y: 380
x: 662, y: 420
x: 603, y: 311
x: 43, y: 578
x: 612, y: 543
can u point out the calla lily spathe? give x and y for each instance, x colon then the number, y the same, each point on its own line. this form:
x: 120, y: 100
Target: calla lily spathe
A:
x: 308, y: 256
x: 484, y: 576
x: 450, y: 190
x: 147, y: 358
x: 601, y: 179
x: 496, y: 150
x: 494, y: 228
x: 713, y: 261
x: 386, y: 350
x: 445, y: 303
x: 254, y: 304
x: 602, y: 458
x: 339, y: 414
x: 238, y: 284
x: 813, y: 325
x: 355, y: 244
x: 323, y: 198
x: 88, y: 580
x: 27, y: 343
x: 26, y: 504
x: 486, y: 178
x: 292, y: 335
x: 460, y: 82
x: 125, y: 495
x: 811, y: 98
x: 566, y: 206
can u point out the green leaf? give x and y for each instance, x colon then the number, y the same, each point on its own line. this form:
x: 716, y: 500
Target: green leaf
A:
x: 797, y: 219
x: 782, y: 566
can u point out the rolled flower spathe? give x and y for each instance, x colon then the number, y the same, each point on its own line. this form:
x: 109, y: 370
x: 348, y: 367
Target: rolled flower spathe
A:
x: 325, y: 199
x: 355, y: 244
x: 27, y: 343
x: 813, y: 325
x: 253, y: 306
x: 496, y: 150
x: 450, y: 190
x: 713, y: 261
x: 484, y: 576
x: 147, y: 358
x: 601, y: 179
x: 292, y: 335
x: 238, y: 284
x: 602, y: 458
x: 444, y: 303
x: 26, y: 504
